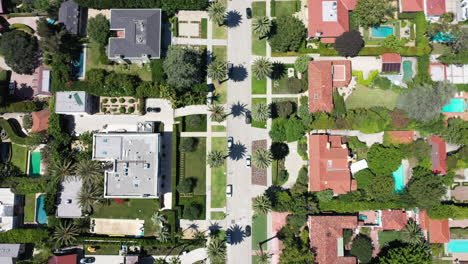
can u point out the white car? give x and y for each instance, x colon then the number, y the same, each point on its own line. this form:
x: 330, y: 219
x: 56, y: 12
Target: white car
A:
x: 248, y: 161
x: 229, y: 190
x: 230, y: 142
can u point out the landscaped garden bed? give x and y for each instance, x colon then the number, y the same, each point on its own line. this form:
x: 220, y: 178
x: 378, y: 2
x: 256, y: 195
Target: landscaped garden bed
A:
x: 119, y: 105
x: 259, y: 176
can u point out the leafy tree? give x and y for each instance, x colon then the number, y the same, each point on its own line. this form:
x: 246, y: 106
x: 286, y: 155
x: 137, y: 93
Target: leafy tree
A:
x: 186, y: 185
x: 279, y: 150
x: 426, y: 188
x: 338, y: 102
x: 261, y: 26
x: 187, y: 144
x: 288, y: 34
x: 217, y: 12
x: 217, y: 113
x: 217, y: 70
x: 362, y: 248
x: 8, y: 170
x: 278, y: 129
x: 65, y: 233
x: 216, y: 251
x: 364, y: 178
x: 27, y: 121
x: 262, y: 68
x: 406, y: 254
x: 191, y: 211
x: 302, y: 182
x: 302, y: 63
x: 261, y: 112
x: 456, y: 131
x: 370, y: 13
x: 283, y: 108
x: 20, y: 51
x: 399, y: 118
x: 262, y: 158
x: 294, y: 129
x: 393, y: 42
x: 349, y: 43
x: 215, y: 159
x: 412, y: 234
x: 383, y: 160
x: 98, y: 29
x: 89, y: 171
x: 381, y: 188
x: 296, y: 221
x: 424, y: 102
x: 183, y: 67
x: 261, y: 204
x: 325, y: 195
x: 117, y: 84
x: 162, y: 234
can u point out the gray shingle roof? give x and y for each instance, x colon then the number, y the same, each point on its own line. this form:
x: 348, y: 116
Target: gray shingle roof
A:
x: 69, y: 13
x: 142, y: 33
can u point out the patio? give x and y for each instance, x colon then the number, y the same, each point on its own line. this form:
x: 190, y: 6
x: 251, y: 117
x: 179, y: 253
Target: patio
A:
x: 460, y: 193
x: 190, y: 23
x: 128, y: 227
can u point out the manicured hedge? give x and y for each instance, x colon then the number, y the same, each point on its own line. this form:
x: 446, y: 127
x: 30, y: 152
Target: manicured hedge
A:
x: 174, y: 163
x: 171, y: 217
x: 23, y: 27
x: 445, y: 211
x: 21, y: 107
x: 24, y: 236
x: 166, y: 5
x: 367, y: 81
x: 12, y: 134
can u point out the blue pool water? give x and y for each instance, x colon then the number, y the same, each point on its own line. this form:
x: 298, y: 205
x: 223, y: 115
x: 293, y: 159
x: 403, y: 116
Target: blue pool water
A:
x: 50, y: 21
x: 41, y: 216
x: 456, y: 105
x: 399, y: 178
x: 381, y: 32
x: 458, y: 246
x: 443, y: 37
x: 79, y: 65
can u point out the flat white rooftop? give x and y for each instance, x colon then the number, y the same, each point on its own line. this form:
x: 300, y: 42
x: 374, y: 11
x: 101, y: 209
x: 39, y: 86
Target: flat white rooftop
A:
x: 329, y: 11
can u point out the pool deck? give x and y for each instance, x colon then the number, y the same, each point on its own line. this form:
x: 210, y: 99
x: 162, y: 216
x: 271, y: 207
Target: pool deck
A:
x: 464, y: 115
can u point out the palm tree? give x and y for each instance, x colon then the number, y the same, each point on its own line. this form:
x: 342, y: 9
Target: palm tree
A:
x: 261, y: 205
x: 215, y: 159
x: 61, y: 169
x: 412, y: 233
x: 199, y: 235
x: 90, y: 171
x: 82, y: 224
x: 264, y: 257
x: 261, y: 112
x: 262, y: 158
x: 217, y: 113
x: 158, y: 219
x: 89, y: 197
x: 175, y: 260
x: 217, y: 12
x: 217, y: 70
x: 216, y: 251
x: 65, y: 234
x: 262, y: 68
x: 261, y: 26
x: 162, y: 234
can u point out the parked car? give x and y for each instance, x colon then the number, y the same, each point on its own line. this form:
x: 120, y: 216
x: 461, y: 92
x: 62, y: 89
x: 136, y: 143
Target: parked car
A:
x: 230, y: 142
x: 248, y: 118
x: 229, y: 190
x: 248, y: 230
x: 248, y: 161
x: 156, y: 109
x: 149, y: 109
x: 228, y: 238
x: 87, y: 260
x: 248, y: 12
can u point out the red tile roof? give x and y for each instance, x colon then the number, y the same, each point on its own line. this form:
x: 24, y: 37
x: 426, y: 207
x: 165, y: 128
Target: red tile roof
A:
x: 329, y: 166
x: 68, y: 259
x: 40, y: 120
x: 435, y: 7
x: 323, y: 77
x: 324, y: 234
x: 412, y: 5
x: 438, y: 155
x: 402, y: 137
x: 391, y: 58
x: 439, y: 230
x: 393, y: 219
x: 329, y: 29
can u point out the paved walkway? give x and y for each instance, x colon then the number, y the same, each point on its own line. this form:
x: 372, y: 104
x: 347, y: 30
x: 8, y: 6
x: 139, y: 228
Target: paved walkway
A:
x: 198, y: 42
x: 293, y: 164
x: 191, y: 110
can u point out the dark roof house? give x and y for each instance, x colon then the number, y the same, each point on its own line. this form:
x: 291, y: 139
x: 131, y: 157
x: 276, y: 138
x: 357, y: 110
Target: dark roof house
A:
x: 138, y: 35
x: 65, y: 259
x: 391, y: 62
x: 70, y: 16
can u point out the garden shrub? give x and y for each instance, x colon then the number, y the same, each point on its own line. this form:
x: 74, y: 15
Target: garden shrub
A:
x: 302, y: 182
x: 279, y: 150
x: 157, y: 71
x: 382, y: 82
x: 122, y: 110
x: 22, y: 107
x: 187, y: 144
x: 121, y: 100
x: 27, y: 121
x: 294, y: 85
x: 16, y: 236
x: 339, y: 104
x: 362, y: 248
x: 103, y: 109
x: 186, y: 185
x: 302, y: 148
x: 131, y: 101
x: 23, y: 27
x: 192, y: 211
x: 294, y: 129
x: 283, y: 109
x: 148, y: 90
x: 114, y: 100
x: 131, y: 109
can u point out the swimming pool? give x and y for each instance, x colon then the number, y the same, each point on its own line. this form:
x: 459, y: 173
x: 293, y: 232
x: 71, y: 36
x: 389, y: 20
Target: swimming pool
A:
x: 78, y: 66
x: 399, y: 177
x: 443, y: 37
x: 41, y: 216
x: 407, y: 71
x: 381, y: 32
x: 35, y: 164
x: 457, y: 105
x: 458, y: 246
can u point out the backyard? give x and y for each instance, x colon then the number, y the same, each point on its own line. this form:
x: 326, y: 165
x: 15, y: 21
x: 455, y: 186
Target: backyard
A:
x: 256, y: 123
x: 29, y: 207
x: 218, y: 176
x: 386, y: 237
x: 19, y: 157
x: 258, y: 45
x: 365, y: 97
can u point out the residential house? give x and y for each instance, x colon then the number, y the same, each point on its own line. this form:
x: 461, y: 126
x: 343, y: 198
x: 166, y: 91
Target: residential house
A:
x: 394, y: 219
x: 329, y: 19
x: 438, y: 230
x: 438, y: 155
x: 326, y: 238
x: 71, y: 15
x: 329, y: 165
x: 9, y: 253
x: 432, y: 8
x: 40, y: 120
x: 412, y: 5
x: 68, y: 205
x: 8, y: 212
x: 454, y: 73
x: 324, y: 76
x: 391, y: 62
x: 74, y: 103
x: 64, y: 259
x: 138, y: 35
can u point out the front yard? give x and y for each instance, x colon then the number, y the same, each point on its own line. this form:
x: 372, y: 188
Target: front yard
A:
x: 258, y: 45
x: 365, y: 97
x: 256, y: 123
x: 259, y: 231
x: 259, y: 86
x: 218, y: 176
x: 195, y: 166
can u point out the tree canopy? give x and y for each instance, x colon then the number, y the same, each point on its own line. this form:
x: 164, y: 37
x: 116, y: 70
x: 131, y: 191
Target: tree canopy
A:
x: 362, y: 248
x: 20, y: 50
x: 287, y: 34
x: 383, y: 160
x: 302, y: 63
x: 184, y: 67
x: 406, y: 254
x: 370, y: 13
x: 349, y: 43
x: 426, y: 188
x: 98, y: 29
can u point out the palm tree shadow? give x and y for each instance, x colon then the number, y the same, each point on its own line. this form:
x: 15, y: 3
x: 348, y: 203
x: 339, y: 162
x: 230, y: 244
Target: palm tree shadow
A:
x: 237, y: 234
x: 237, y: 151
x: 238, y: 73
x: 238, y: 109
x: 279, y: 70
x: 233, y: 19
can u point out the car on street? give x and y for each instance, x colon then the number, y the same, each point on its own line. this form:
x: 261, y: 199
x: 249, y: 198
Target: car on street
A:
x: 230, y: 142
x: 153, y: 109
x: 228, y: 238
x: 248, y: 161
x: 87, y: 260
x: 248, y: 230
x: 248, y: 12
x: 248, y: 118
x: 229, y: 190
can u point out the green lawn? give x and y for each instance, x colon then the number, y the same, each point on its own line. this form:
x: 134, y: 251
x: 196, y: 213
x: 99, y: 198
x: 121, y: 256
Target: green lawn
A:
x: 19, y: 157
x: 220, y: 92
x: 219, y: 32
x: 219, y: 128
x: 189, y: 123
x: 258, y: 46
x: 104, y: 249
x: 131, y: 209
x: 197, y: 199
x: 388, y: 236
x: 259, y: 86
x: 204, y: 28
x: 259, y: 231
x: 280, y: 86
x: 218, y: 215
x: 92, y: 62
x: 284, y: 8
x: 254, y: 122
x: 218, y: 177
x: 258, y: 8
x: 195, y: 166
x: 220, y: 52
x: 29, y: 207
x: 365, y: 97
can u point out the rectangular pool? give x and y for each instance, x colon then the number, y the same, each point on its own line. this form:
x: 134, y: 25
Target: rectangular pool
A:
x: 407, y: 71
x: 35, y: 164
x: 458, y: 246
x: 78, y: 66
x: 457, y: 105
x: 41, y: 215
x: 399, y: 177
x: 382, y: 32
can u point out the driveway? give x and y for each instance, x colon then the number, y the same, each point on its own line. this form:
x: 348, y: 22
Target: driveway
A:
x: 30, y: 21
